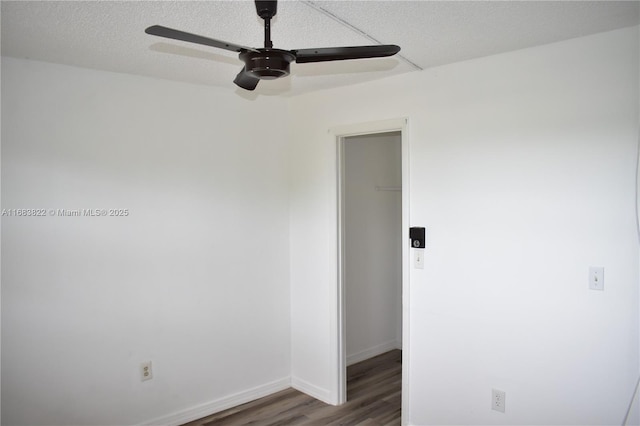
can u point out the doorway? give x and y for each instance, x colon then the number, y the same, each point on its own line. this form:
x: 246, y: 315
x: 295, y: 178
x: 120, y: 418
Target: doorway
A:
x: 372, y: 242
x: 346, y: 351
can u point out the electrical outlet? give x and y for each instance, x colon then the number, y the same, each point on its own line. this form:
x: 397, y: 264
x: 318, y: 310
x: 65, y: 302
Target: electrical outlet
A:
x: 498, y: 400
x: 146, y: 372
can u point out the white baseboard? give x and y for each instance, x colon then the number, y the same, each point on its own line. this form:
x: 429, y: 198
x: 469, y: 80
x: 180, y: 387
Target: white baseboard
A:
x: 633, y: 412
x: 204, y: 410
x: 374, y: 351
x: 312, y: 390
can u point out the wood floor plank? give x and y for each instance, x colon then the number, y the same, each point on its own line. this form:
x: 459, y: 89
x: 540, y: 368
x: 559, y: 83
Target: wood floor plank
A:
x: 373, y: 399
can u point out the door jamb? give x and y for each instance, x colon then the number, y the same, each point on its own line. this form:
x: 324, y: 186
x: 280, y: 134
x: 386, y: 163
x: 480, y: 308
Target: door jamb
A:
x: 338, y: 330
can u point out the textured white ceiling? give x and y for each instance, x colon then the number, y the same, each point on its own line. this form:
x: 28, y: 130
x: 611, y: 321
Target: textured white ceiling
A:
x: 109, y: 35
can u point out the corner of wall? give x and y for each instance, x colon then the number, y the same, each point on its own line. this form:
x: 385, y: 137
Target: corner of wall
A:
x: 314, y: 391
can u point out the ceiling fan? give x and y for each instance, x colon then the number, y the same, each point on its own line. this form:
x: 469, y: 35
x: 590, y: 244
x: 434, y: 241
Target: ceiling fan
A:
x: 268, y: 63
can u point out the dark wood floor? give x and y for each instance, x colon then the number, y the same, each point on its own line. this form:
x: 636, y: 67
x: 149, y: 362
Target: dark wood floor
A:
x: 373, y: 398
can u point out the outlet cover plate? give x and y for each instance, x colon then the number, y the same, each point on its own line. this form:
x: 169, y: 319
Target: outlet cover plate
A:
x: 498, y: 399
x: 146, y: 371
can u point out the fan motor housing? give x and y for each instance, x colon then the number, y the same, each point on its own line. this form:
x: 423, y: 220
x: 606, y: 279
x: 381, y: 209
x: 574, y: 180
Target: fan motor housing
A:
x: 267, y: 64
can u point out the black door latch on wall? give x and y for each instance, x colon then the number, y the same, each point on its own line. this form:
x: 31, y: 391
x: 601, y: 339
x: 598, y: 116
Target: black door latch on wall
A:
x: 417, y: 236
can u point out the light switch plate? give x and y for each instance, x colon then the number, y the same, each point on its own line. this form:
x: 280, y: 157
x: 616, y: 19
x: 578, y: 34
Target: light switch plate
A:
x: 418, y: 258
x: 596, y: 278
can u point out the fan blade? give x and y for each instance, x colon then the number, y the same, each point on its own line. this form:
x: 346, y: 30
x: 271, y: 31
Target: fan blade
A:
x: 246, y: 81
x: 159, y: 30
x: 343, y: 53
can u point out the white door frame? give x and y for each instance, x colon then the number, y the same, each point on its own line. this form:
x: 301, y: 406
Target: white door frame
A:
x: 338, y: 316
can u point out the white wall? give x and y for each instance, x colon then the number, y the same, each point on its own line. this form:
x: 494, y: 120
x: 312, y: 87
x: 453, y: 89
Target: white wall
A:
x: 373, y: 238
x: 194, y: 279
x: 522, y: 170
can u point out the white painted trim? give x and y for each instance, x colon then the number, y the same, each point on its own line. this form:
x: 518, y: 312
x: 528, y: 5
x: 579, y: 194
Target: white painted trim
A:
x: 373, y: 351
x: 633, y: 412
x: 224, y: 403
x: 312, y: 390
x: 340, y: 339
x: 338, y: 359
x: 382, y: 126
x: 406, y: 283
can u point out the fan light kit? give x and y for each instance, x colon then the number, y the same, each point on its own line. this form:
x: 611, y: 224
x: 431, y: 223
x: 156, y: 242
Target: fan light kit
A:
x: 268, y: 63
